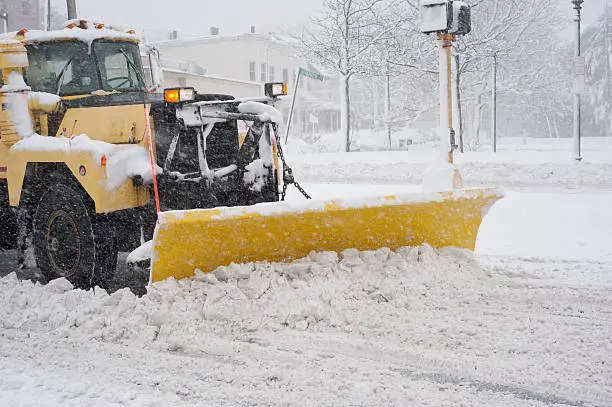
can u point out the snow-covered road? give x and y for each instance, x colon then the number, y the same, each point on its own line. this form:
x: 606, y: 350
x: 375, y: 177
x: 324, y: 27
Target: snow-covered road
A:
x: 526, y: 321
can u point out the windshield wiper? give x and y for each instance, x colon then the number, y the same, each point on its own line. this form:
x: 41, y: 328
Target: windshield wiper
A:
x: 60, y: 79
x: 133, y: 67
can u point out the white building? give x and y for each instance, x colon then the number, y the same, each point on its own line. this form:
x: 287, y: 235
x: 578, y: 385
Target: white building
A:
x: 240, y: 64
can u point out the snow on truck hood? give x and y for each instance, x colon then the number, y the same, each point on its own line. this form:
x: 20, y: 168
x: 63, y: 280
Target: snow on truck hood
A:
x: 122, y: 161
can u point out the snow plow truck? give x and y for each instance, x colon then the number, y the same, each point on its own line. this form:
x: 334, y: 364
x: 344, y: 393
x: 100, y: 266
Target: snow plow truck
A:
x: 94, y: 161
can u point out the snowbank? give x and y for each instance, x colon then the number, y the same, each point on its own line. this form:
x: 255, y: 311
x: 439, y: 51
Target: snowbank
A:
x: 423, y: 326
x: 506, y: 169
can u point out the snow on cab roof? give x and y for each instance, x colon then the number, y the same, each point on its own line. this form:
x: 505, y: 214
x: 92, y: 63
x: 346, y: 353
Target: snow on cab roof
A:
x: 78, y: 34
x: 78, y: 30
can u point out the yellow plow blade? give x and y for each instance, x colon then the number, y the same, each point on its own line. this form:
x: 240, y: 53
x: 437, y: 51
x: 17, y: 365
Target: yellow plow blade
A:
x: 205, y: 239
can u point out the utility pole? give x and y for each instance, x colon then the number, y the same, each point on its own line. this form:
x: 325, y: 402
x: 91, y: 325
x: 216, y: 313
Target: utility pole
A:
x: 494, y: 104
x: 579, y: 75
x: 608, y: 48
x: 446, y: 102
x: 72, y: 10
x: 388, y: 105
x: 48, y: 15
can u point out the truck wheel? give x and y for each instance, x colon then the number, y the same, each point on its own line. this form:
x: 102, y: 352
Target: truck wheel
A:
x: 71, y: 241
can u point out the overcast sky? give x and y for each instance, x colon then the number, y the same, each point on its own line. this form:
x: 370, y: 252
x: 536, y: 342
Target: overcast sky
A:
x: 193, y: 17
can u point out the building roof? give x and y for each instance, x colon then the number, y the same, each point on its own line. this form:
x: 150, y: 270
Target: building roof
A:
x: 268, y: 37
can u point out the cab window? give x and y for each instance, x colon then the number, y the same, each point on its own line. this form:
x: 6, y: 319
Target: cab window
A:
x: 120, y: 66
x: 62, y: 68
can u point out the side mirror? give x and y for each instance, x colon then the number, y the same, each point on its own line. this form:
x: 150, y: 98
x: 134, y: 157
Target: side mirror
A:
x: 157, y: 75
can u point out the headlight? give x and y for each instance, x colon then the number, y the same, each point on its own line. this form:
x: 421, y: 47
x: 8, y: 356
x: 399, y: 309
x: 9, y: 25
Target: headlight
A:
x: 275, y: 89
x: 178, y: 95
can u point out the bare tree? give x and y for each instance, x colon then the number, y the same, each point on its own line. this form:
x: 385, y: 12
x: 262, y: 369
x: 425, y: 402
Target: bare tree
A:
x: 343, y: 40
x: 518, y: 32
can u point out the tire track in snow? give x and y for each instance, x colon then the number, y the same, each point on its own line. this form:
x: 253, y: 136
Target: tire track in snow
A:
x: 517, y: 392
x: 433, y: 370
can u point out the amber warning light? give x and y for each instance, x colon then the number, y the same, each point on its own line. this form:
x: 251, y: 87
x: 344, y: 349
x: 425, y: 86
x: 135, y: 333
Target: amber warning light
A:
x: 177, y: 95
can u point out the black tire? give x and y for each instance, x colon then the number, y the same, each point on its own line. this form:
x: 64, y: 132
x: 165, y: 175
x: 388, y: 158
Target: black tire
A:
x: 72, y: 241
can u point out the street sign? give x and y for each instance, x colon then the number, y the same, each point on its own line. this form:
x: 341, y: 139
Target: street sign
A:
x: 312, y: 75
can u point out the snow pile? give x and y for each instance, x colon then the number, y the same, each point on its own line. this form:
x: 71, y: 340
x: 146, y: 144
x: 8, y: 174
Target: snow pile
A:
x: 362, y: 328
x: 126, y: 162
x: 265, y: 112
x: 47, y: 102
x: 316, y: 293
x: 142, y: 253
x: 15, y: 83
x: 255, y: 175
x: 66, y: 145
x: 17, y: 103
x: 441, y: 176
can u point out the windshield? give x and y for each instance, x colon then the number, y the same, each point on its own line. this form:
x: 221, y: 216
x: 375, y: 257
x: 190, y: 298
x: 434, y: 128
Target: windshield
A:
x: 120, y: 66
x: 63, y: 68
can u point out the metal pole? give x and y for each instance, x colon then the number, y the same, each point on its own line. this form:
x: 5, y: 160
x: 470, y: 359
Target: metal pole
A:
x: 458, y: 91
x: 449, y: 96
x: 72, y: 10
x: 48, y: 15
x: 388, y: 106
x: 494, y: 104
x: 446, y: 94
x: 295, y: 91
x: 577, y: 153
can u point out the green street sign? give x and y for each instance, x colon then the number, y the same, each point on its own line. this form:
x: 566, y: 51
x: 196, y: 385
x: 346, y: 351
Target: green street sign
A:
x: 311, y: 74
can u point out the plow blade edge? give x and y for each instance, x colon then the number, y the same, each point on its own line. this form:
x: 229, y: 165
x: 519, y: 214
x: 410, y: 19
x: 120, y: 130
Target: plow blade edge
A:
x: 205, y: 239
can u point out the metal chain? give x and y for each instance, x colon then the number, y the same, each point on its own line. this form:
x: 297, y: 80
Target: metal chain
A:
x: 288, y: 177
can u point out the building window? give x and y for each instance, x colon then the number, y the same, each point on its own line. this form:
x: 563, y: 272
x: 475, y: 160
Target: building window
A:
x: 285, y: 75
x: 272, y: 75
x: 264, y: 71
x: 252, y: 74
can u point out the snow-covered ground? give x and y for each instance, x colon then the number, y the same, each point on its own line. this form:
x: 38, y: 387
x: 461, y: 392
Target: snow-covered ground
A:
x: 518, y: 164
x: 525, y: 321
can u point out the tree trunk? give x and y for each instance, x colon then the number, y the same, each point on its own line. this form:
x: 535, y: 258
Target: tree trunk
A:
x: 388, y: 107
x: 478, y: 120
x: 346, y: 111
